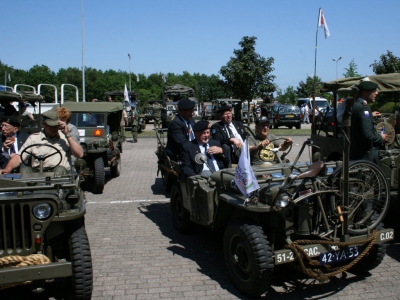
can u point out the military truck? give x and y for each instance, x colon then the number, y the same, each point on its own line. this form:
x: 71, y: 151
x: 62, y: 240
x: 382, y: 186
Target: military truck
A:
x: 240, y: 113
x: 300, y: 215
x: 328, y: 133
x: 101, y: 138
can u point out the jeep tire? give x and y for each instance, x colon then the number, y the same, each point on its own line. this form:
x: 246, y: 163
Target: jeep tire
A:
x: 180, y: 215
x: 248, y: 257
x: 116, y: 169
x: 81, y: 281
x: 99, y: 176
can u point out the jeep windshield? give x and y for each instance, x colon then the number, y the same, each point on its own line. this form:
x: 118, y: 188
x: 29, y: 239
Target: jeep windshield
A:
x: 87, y: 120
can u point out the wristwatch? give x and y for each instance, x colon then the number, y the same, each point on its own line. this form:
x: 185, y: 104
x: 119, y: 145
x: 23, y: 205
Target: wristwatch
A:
x: 68, y: 135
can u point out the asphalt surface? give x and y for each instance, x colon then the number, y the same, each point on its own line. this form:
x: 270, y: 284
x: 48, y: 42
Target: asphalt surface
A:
x: 137, y: 254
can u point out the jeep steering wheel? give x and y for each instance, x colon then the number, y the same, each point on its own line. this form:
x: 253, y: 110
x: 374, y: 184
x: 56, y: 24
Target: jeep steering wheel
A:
x: 41, y: 158
x: 265, y: 153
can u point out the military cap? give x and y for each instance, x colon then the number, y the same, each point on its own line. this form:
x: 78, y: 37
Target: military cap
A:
x: 186, y: 104
x: 224, y: 108
x: 201, y: 125
x: 262, y: 119
x: 12, y: 121
x: 50, y: 117
x: 367, y: 85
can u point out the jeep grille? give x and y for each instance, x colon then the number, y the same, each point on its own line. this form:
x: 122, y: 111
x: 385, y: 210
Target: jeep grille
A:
x: 16, y: 233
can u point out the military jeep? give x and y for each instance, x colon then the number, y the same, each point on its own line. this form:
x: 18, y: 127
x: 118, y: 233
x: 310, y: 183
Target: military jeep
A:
x: 328, y: 133
x: 42, y: 231
x: 322, y: 218
x: 100, y: 137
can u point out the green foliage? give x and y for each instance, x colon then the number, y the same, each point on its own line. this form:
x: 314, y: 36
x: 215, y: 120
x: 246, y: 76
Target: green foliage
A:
x: 351, y: 71
x: 386, y: 108
x: 247, y: 74
x: 287, y: 96
x: 388, y: 64
x: 305, y: 89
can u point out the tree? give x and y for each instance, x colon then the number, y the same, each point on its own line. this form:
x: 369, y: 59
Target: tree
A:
x: 388, y: 64
x: 287, y: 96
x: 247, y: 75
x: 305, y: 90
x: 351, y: 71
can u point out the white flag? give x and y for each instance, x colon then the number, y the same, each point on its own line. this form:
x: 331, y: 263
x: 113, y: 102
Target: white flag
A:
x: 163, y: 78
x: 244, y: 177
x: 137, y: 78
x: 126, y: 95
x: 322, y: 23
x: 9, y: 77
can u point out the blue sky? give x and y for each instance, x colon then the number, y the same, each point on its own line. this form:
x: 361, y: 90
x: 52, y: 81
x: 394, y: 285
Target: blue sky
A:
x: 198, y: 36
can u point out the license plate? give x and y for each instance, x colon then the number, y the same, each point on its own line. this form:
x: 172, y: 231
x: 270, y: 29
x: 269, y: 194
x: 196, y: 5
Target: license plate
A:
x: 289, y: 116
x: 332, y: 257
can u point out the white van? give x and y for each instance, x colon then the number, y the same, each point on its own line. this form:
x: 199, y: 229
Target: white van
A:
x: 321, y: 103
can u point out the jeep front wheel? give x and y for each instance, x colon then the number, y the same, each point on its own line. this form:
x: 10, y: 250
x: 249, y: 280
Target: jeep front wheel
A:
x: 99, y: 176
x: 249, y: 258
x: 81, y: 281
x: 180, y: 215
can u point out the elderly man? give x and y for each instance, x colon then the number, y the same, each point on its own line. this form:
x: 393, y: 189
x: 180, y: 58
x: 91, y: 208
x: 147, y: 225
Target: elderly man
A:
x: 229, y: 133
x: 180, y: 129
x: 365, y: 140
x: 55, y: 134
x: 11, y: 140
x: 263, y: 141
x: 216, y: 159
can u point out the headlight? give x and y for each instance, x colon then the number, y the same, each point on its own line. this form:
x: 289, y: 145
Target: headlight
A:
x: 282, y: 200
x: 42, y: 211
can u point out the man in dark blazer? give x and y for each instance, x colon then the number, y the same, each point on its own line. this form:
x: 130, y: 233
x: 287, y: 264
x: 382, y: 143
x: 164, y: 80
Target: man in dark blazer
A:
x: 11, y: 140
x: 365, y: 140
x: 231, y: 134
x: 180, y: 129
x: 216, y: 159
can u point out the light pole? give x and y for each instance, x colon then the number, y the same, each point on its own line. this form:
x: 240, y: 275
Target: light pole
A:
x: 130, y: 87
x: 336, y: 60
x: 83, y: 60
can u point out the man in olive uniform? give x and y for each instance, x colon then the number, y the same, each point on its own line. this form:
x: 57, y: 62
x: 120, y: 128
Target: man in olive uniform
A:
x: 157, y: 115
x: 135, y: 123
x: 365, y: 140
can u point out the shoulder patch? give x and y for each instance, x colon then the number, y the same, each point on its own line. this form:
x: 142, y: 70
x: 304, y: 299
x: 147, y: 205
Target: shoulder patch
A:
x: 366, y: 113
x: 213, y: 131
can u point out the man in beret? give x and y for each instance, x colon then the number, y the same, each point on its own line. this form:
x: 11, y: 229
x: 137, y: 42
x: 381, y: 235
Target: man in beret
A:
x: 11, y: 140
x: 364, y: 138
x: 56, y: 134
x: 216, y: 159
x: 229, y: 133
x: 180, y: 129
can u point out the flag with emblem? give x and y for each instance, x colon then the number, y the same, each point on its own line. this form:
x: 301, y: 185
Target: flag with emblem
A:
x: 322, y: 23
x: 244, y: 177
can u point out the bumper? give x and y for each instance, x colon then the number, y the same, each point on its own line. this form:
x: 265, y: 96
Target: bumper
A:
x: 38, y: 272
x: 285, y: 256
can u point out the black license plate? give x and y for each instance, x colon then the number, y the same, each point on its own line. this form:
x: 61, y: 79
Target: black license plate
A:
x: 335, y: 256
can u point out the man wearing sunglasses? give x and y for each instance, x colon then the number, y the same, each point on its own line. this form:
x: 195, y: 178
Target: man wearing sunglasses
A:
x: 56, y: 134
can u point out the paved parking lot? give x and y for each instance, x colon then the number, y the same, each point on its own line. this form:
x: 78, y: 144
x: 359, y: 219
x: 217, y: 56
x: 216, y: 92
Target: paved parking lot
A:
x: 137, y: 254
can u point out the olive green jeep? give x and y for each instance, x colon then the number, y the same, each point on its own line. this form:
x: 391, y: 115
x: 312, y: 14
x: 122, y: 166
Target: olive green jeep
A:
x: 42, y: 231
x: 101, y: 138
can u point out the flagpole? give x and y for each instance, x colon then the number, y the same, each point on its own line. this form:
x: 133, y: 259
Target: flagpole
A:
x: 316, y: 45
x: 83, y: 58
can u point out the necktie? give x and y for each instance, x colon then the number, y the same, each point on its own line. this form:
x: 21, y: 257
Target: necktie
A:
x: 231, y: 135
x: 12, y: 149
x: 210, y: 162
x: 190, y: 132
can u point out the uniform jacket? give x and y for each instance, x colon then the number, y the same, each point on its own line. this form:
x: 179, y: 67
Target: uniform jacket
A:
x: 364, y: 137
x: 4, y: 156
x: 177, y: 135
x: 219, y: 132
x: 189, y: 167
